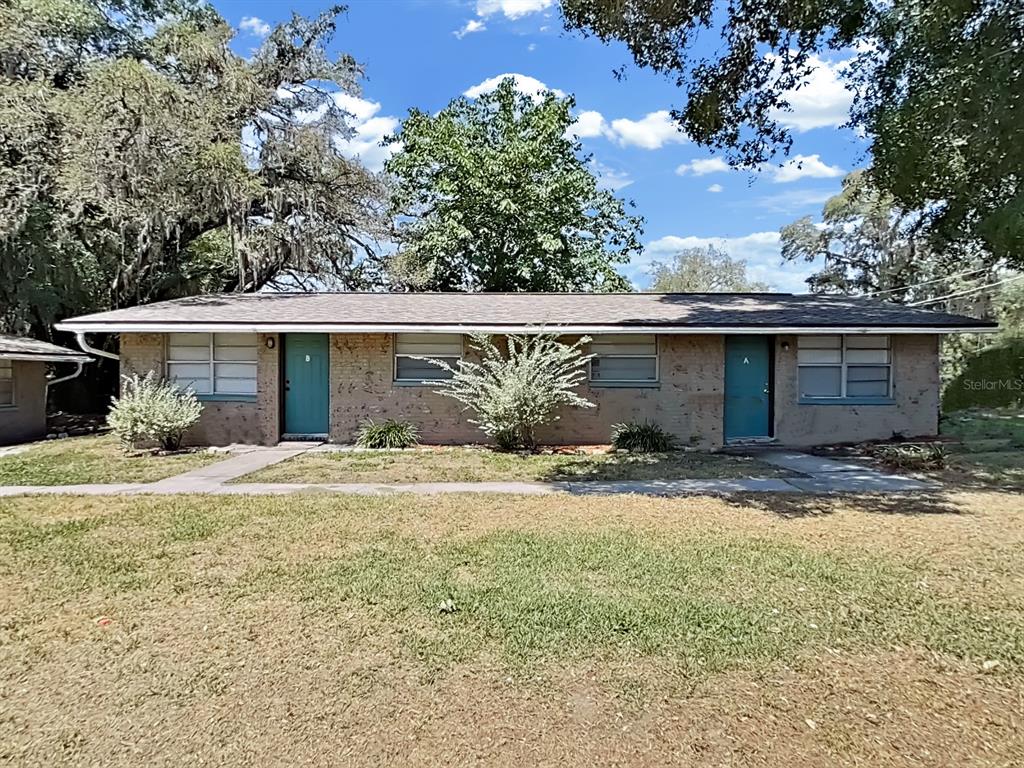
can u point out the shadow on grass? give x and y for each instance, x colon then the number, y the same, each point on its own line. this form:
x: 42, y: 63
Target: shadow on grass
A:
x: 806, y: 505
x: 649, y: 467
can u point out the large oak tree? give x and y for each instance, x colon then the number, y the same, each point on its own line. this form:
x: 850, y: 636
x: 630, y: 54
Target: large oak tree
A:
x: 142, y: 159
x: 939, y: 92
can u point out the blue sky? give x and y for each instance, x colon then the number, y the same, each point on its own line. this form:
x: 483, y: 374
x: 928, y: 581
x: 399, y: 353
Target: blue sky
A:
x: 424, y: 53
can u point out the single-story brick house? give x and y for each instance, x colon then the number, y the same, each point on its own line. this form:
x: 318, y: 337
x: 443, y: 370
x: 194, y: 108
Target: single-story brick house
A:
x: 710, y: 368
x: 23, y: 385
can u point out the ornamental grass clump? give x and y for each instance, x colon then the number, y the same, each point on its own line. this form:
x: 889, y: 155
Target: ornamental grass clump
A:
x: 642, y: 437
x: 387, y: 434
x: 152, y: 409
x: 516, y: 390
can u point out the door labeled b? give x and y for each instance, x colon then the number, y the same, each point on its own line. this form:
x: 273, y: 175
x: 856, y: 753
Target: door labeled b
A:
x: 306, y: 384
x: 748, y: 387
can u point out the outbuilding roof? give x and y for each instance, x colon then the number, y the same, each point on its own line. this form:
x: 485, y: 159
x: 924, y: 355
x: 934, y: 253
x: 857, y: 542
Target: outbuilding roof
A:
x: 21, y: 348
x: 524, y: 312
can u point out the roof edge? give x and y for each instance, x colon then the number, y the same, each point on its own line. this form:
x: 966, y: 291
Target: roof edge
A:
x: 45, y: 357
x: 79, y: 326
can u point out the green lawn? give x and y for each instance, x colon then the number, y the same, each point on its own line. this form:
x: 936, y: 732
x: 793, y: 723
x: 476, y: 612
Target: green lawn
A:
x: 991, y: 447
x: 236, y: 630
x: 481, y: 465
x: 93, y: 459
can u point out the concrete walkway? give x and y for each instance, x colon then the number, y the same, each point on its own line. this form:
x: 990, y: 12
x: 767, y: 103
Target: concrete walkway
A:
x: 209, y: 478
x: 819, y: 476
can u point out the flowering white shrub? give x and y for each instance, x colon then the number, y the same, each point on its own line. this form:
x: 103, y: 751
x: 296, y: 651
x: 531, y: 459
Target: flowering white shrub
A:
x: 154, y: 409
x: 513, y: 393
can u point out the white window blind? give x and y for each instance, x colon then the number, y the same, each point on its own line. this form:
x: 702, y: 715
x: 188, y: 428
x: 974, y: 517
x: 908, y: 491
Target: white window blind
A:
x: 213, y: 363
x: 624, y: 359
x: 6, y: 382
x: 840, y: 367
x: 436, y: 346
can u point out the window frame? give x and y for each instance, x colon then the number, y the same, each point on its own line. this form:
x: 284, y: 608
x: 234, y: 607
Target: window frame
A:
x: 213, y: 362
x: 843, y: 366
x: 656, y: 381
x: 395, y: 354
x: 9, y: 365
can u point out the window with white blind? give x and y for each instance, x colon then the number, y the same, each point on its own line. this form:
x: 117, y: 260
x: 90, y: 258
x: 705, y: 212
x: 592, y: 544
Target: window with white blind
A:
x: 624, y: 359
x: 844, y: 367
x: 213, y: 363
x: 6, y: 382
x: 436, y: 346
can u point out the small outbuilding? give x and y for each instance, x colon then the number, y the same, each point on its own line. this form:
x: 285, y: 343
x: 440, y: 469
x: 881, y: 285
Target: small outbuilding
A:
x: 23, y: 385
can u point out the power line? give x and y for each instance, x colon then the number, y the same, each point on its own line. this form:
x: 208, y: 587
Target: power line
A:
x: 926, y: 282
x: 968, y: 292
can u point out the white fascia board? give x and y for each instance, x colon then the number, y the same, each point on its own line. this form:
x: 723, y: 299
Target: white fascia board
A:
x: 200, y: 327
x: 45, y: 358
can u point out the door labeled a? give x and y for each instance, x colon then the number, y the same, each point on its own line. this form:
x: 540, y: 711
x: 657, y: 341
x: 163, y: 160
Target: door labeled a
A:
x: 747, y: 387
x: 306, y: 384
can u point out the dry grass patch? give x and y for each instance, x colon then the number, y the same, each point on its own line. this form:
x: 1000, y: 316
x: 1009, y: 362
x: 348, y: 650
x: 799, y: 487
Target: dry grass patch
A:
x: 94, y: 459
x: 434, y: 465
x: 513, y: 630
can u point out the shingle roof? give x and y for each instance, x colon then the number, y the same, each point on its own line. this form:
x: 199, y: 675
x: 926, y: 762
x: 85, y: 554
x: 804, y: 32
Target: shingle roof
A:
x: 498, y: 311
x: 20, y: 348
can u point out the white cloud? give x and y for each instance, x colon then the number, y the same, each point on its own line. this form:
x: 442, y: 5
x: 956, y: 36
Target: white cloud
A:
x: 511, y: 9
x: 526, y: 85
x: 609, y: 178
x: 821, y: 102
x: 653, y: 131
x: 801, y: 167
x: 531, y: 47
x: 588, y: 125
x: 703, y: 166
x: 370, y: 129
x: 715, y: 188
x: 794, y: 201
x: 761, y: 250
x: 796, y: 168
x: 254, y: 26
x: 471, y: 26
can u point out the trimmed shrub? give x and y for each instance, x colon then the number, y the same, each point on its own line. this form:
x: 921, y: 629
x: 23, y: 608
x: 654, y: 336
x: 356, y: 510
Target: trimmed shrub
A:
x: 516, y: 392
x: 387, y: 434
x: 912, y: 456
x: 642, y: 437
x: 152, y: 409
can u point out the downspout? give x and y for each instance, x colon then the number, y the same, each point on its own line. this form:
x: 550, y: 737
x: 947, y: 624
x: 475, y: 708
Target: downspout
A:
x: 80, y: 338
x: 62, y: 379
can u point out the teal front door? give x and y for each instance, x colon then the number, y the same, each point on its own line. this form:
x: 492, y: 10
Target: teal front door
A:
x: 747, y: 387
x: 306, y: 390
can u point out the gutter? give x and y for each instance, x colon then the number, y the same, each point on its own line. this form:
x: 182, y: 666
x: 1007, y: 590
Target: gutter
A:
x: 86, y: 347
x: 80, y: 329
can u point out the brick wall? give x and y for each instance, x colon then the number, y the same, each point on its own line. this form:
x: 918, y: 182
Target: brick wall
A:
x: 26, y: 419
x: 222, y: 421
x: 688, y: 400
x: 914, y: 412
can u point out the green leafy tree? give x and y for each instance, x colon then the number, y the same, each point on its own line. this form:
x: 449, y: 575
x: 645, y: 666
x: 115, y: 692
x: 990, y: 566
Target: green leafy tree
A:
x: 867, y: 243
x: 141, y: 159
x: 703, y: 270
x: 939, y: 92
x: 492, y: 194
x: 1010, y: 308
